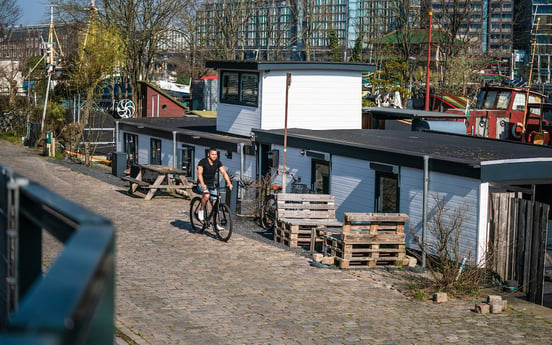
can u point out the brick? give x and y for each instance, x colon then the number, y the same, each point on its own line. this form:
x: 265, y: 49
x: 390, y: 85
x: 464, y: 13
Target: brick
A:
x: 491, y: 299
x: 440, y: 297
x: 317, y: 257
x: 482, y: 308
x: 496, y: 308
x: 328, y: 260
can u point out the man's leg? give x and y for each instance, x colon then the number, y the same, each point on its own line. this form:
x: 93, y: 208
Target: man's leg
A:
x: 204, y: 199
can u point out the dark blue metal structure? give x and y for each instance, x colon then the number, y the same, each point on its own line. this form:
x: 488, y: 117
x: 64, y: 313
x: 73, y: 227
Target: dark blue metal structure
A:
x: 73, y: 302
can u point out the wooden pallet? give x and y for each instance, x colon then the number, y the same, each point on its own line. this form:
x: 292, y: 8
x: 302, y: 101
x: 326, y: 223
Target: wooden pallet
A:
x: 294, y: 235
x: 368, y: 239
x: 299, y: 215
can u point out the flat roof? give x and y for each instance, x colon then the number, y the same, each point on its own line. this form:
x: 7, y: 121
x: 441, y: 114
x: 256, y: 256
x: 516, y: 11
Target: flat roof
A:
x: 289, y: 65
x: 449, y: 153
x: 397, y: 113
x: 191, y: 129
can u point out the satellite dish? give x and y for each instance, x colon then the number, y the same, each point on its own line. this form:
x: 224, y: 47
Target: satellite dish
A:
x: 126, y: 109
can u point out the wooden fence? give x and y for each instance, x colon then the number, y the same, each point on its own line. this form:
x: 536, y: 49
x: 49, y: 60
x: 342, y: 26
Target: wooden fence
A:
x: 517, y: 242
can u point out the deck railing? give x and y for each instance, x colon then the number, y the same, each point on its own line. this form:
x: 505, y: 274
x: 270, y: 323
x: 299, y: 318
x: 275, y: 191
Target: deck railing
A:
x: 73, y: 301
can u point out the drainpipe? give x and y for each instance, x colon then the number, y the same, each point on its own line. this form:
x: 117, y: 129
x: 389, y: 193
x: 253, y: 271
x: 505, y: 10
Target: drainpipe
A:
x: 175, y: 160
x: 117, y: 146
x: 424, y: 207
x: 242, y: 160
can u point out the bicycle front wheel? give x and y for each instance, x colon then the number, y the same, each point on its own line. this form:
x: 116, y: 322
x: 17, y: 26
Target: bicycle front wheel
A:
x: 268, y: 213
x: 197, y: 224
x: 223, y: 223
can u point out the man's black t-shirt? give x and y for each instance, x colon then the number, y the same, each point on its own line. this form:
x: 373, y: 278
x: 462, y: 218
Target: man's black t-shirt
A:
x: 209, y: 171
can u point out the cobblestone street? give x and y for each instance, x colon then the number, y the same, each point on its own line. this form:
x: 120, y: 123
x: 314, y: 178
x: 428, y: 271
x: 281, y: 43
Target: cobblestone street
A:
x: 174, y: 286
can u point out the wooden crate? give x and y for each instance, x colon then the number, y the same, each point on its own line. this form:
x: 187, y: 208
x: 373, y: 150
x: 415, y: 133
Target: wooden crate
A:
x: 294, y: 235
x: 369, y: 239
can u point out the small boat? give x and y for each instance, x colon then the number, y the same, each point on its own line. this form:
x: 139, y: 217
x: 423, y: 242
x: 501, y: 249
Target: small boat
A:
x: 509, y: 113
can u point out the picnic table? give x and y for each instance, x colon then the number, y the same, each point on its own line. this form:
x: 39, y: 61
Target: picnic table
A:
x: 154, y: 177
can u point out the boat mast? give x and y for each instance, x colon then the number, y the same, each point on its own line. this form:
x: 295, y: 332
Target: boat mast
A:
x: 51, y: 60
x: 525, y: 111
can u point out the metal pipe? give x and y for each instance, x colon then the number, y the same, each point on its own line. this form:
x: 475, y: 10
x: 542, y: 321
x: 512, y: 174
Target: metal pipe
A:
x: 424, y: 206
x: 288, y: 83
x: 428, y: 62
x: 175, y: 159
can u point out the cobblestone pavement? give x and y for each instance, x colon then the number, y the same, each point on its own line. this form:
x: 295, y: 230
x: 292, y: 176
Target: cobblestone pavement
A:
x: 175, y: 286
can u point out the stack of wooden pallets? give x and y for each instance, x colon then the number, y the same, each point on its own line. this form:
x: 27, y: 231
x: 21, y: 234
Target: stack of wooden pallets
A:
x: 369, y: 239
x: 299, y: 215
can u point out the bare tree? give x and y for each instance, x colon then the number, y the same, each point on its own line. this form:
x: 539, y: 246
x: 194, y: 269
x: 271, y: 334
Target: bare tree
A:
x: 10, y: 12
x: 9, y: 71
x: 99, y: 53
x: 197, y: 48
x: 142, y: 25
x: 453, y: 21
x: 404, y: 13
x: 315, y: 22
x: 224, y: 24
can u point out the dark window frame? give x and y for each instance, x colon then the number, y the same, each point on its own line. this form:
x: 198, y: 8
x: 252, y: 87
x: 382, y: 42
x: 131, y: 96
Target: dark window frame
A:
x: 241, y: 88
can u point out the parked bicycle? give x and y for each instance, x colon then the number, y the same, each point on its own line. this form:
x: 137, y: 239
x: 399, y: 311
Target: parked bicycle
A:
x: 269, y: 205
x: 217, y: 215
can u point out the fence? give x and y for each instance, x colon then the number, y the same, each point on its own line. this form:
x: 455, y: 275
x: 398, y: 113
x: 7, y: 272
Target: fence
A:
x: 73, y: 302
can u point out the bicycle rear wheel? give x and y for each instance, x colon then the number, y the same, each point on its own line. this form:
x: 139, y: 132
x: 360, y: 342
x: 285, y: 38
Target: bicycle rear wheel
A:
x: 268, y: 212
x: 223, y: 223
x: 197, y: 224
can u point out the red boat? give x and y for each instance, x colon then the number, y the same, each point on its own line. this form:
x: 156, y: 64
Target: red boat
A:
x: 500, y: 112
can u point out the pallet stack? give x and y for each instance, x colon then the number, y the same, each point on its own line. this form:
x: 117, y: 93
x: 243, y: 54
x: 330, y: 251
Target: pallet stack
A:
x: 299, y: 215
x: 369, y: 239
x: 293, y: 235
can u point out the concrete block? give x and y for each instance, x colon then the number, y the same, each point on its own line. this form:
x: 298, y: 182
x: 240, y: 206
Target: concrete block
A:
x: 491, y: 299
x: 317, y: 257
x: 440, y: 297
x: 482, y: 308
x: 496, y: 308
x: 412, y: 261
x: 328, y: 260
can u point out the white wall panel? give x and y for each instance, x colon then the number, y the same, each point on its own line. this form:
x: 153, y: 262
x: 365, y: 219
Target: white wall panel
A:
x: 352, y: 184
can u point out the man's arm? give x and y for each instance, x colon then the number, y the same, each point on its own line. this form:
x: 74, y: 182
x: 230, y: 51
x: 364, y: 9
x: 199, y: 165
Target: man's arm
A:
x: 200, y: 177
x: 226, y: 177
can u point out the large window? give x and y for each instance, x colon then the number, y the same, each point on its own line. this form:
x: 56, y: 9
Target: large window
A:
x: 240, y: 88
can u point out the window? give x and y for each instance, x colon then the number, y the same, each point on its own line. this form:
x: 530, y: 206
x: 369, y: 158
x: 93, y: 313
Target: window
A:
x: 187, y: 160
x: 240, y: 88
x: 503, y: 100
x: 490, y: 100
x: 387, y: 192
x: 320, y: 176
x: 155, y: 151
x: 131, y: 149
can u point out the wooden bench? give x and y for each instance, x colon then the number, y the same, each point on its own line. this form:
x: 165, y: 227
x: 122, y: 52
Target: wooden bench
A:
x: 372, y: 239
x: 300, y: 215
x: 151, y: 177
x: 132, y: 180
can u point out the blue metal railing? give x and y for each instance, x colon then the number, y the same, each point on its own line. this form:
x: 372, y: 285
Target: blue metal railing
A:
x: 71, y: 303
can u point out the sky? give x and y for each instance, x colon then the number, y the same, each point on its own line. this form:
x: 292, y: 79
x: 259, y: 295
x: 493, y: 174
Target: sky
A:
x: 34, y: 12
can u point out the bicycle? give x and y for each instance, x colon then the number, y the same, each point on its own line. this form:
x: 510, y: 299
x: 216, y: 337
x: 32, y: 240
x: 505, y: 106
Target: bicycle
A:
x: 269, y: 208
x: 216, y: 214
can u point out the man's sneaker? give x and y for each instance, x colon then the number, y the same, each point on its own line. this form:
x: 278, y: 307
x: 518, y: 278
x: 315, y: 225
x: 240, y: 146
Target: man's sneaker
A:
x: 219, y: 227
x: 200, y: 215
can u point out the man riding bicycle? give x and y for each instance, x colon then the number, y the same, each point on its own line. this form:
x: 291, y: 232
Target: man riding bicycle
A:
x: 207, y: 169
